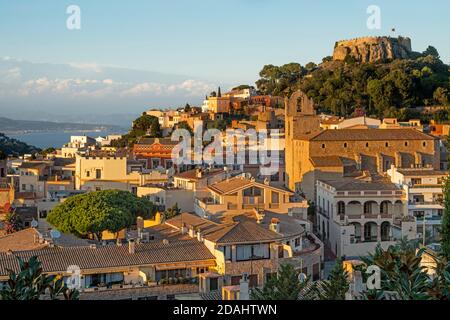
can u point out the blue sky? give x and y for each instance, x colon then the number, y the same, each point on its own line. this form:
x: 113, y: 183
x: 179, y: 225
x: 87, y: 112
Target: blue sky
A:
x: 207, y: 42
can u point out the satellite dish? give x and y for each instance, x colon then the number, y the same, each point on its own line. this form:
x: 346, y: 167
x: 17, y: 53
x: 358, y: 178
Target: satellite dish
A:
x: 55, y: 234
x: 34, y: 224
x: 302, y: 277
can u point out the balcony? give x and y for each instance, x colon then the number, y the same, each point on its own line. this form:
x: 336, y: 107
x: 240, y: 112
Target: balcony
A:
x: 425, y: 205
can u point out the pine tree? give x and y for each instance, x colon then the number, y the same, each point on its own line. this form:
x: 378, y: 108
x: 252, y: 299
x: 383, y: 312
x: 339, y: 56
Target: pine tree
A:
x: 445, y: 225
x: 337, y: 284
x: 284, y: 286
x: 172, y: 212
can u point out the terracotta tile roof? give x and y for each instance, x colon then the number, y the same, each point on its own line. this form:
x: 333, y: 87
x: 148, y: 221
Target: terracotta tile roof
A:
x: 359, y: 184
x: 192, y: 174
x: 163, y: 141
x: 228, y: 185
x: 370, y: 135
x: 237, y: 183
x: 23, y: 240
x: 58, y: 259
x: 32, y: 165
x: 242, y: 232
x: 289, y: 226
x: 421, y: 172
x: 328, y: 161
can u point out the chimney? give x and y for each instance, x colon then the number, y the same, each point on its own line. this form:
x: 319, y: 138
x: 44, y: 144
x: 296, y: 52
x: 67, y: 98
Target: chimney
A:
x: 119, y: 242
x: 198, y: 173
x: 259, y: 215
x: 131, y: 246
x: 184, y: 228
x: 199, y: 235
x: 275, y: 225
x: 244, y: 288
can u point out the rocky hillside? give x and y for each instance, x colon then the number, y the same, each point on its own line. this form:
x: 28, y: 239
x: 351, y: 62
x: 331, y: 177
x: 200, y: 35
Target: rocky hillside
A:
x: 9, y: 146
x: 373, y: 49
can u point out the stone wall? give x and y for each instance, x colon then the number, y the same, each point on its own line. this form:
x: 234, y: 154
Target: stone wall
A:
x: 139, y: 293
x: 373, y: 49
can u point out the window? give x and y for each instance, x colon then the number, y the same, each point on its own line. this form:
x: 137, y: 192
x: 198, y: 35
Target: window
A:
x: 252, y: 252
x: 406, y: 143
x: 345, y: 145
x: 275, y: 197
x: 88, y: 174
x: 98, y: 173
x: 297, y: 242
x: 386, y: 144
x: 323, y: 145
x: 367, y: 144
x: 424, y: 144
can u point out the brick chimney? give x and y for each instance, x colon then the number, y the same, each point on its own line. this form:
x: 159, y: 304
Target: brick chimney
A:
x: 131, y: 246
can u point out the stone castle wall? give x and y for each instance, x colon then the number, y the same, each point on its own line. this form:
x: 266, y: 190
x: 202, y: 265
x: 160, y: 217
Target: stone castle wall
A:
x: 373, y: 49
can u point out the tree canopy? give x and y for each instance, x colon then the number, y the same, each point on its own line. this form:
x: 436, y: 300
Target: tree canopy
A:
x: 95, y: 212
x: 285, y: 285
x: 339, y: 87
x: 145, y: 125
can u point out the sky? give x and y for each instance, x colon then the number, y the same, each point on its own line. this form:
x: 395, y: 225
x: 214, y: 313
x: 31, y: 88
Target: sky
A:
x: 132, y: 55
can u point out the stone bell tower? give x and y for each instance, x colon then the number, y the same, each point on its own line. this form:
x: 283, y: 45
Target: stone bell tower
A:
x: 300, y: 121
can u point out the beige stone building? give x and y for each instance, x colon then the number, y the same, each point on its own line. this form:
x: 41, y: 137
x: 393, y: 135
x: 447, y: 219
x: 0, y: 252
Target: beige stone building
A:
x: 253, y: 243
x: 357, y: 214
x: 244, y: 192
x: 102, y: 173
x: 312, y: 153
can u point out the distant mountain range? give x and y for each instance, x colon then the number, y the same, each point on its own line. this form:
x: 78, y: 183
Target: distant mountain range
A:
x: 10, y: 126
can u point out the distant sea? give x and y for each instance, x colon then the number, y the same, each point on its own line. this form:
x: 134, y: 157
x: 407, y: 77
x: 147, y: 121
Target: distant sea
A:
x: 56, y: 139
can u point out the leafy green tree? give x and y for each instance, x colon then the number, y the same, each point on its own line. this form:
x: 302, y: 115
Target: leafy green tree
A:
x: 13, y: 223
x: 441, y: 96
x: 184, y: 125
x: 280, y: 80
x: 172, y: 212
x: 147, y: 124
x: 284, y: 286
x: 431, y: 51
x: 337, y: 284
x: 445, y: 224
x: 401, y: 270
x: 47, y: 151
x: 31, y: 284
x: 95, y: 212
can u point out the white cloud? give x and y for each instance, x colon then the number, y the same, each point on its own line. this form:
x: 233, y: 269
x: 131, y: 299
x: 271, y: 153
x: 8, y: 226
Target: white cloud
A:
x: 87, y: 66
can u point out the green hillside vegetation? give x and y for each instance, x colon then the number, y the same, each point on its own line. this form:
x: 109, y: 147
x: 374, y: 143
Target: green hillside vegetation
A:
x: 9, y: 146
x: 382, y: 89
x: 145, y: 125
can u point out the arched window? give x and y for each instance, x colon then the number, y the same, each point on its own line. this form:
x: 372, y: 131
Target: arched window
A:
x: 385, y: 231
x: 384, y: 207
x: 370, y: 232
x: 369, y: 207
